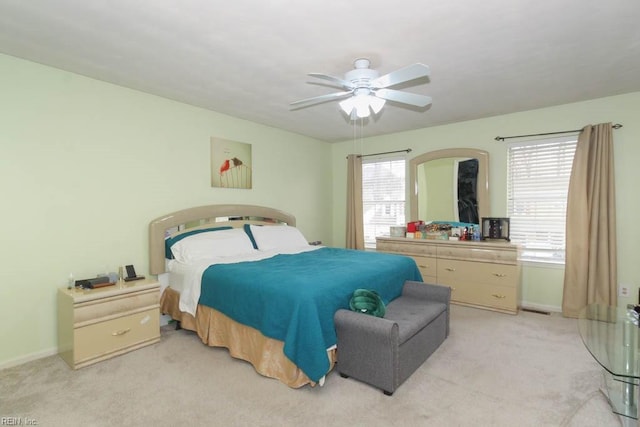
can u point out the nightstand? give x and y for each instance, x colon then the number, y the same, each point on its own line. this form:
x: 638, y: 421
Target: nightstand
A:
x: 98, y: 324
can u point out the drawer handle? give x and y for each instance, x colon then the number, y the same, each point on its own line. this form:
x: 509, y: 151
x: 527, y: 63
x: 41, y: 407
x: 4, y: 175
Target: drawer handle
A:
x: 499, y: 275
x: 499, y: 296
x: 450, y: 269
x: 423, y: 266
x: 120, y: 332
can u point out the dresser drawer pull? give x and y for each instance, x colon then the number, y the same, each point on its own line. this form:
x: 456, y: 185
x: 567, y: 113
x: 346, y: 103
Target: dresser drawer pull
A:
x: 450, y: 269
x: 423, y: 266
x: 120, y: 332
x: 499, y: 275
x: 498, y: 296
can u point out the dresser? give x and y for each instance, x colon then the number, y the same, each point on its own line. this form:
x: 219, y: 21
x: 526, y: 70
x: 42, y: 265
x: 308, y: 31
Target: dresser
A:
x: 97, y: 324
x: 480, y: 274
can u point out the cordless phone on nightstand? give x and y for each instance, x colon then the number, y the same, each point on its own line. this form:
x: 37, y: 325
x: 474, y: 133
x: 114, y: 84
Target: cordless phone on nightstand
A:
x: 131, y: 274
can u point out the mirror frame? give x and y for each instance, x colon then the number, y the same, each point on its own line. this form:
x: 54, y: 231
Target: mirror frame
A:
x: 483, y: 177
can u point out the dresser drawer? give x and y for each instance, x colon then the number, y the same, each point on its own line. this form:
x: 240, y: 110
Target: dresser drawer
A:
x: 105, y: 308
x: 492, y: 296
x: 103, y: 338
x: 453, y: 272
x: 475, y: 253
x: 427, y: 267
x: 417, y: 247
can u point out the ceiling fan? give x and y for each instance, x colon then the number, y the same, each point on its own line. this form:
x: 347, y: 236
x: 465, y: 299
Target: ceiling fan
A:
x: 367, y: 90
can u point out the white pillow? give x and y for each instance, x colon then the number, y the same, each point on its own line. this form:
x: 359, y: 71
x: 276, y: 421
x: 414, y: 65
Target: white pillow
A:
x: 222, y: 243
x: 278, y: 237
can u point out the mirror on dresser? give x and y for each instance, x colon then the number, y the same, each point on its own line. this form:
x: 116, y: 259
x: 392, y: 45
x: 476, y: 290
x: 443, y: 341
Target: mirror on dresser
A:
x: 449, y: 185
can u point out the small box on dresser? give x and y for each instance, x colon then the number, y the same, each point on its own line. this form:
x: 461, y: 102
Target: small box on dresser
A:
x: 97, y: 324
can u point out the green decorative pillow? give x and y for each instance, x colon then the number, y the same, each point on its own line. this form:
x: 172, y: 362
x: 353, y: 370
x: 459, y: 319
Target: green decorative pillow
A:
x: 368, y: 302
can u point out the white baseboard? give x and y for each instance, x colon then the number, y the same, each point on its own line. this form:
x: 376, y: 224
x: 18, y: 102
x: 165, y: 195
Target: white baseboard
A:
x: 28, y: 358
x: 541, y: 307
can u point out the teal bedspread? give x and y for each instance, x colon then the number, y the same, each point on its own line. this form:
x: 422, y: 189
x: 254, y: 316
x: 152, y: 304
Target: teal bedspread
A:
x: 292, y: 298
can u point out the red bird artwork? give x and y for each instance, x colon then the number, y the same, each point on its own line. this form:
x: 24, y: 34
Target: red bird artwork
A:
x: 225, y: 167
x: 234, y: 173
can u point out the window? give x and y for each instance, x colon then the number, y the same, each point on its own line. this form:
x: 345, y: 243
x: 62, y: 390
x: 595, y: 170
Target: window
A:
x: 537, y: 185
x: 383, y: 197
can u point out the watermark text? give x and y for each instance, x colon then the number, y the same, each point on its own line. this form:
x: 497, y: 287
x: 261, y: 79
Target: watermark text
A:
x: 18, y: 421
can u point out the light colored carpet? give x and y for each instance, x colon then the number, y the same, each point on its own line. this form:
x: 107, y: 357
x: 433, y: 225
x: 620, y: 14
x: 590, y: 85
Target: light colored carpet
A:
x: 493, y: 370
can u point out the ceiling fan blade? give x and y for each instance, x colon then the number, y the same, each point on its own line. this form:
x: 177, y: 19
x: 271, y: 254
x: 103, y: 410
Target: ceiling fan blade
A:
x: 318, y: 99
x: 402, y: 75
x: 335, y: 80
x: 403, y: 97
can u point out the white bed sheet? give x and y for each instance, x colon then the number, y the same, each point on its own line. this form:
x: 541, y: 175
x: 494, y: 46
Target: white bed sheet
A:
x: 176, y: 273
x: 186, y: 278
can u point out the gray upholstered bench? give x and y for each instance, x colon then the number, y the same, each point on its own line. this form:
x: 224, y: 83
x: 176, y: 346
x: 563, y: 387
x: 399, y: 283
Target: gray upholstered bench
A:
x: 384, y: 352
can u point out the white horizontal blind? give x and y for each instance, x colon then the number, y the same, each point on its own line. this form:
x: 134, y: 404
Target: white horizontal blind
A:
x: 383, y: 197
x: 538, y: 182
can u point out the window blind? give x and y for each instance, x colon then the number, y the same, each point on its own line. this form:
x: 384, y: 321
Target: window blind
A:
x: 537, y: 186
x: 383, y: 197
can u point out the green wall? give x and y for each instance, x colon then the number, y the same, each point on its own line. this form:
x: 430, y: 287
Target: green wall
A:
x: 86, y: 165
x: 542, y: 286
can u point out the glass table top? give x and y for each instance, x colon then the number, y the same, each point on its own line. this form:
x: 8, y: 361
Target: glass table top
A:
x: 612, y: 336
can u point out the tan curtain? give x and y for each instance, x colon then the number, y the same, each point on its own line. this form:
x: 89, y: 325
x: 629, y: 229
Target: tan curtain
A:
x: 355, y: 225
x: 591, y: 267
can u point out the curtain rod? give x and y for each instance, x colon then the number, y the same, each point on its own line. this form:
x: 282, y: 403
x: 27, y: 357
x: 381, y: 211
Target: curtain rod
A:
x: 407, y: 150
x: 502, y: 138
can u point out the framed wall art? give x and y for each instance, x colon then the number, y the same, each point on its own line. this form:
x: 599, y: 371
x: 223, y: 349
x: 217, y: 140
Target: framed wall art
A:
x: 230, y: 164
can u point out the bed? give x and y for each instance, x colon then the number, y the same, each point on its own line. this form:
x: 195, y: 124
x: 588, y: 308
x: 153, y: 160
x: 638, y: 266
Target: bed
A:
x: 243, y: 277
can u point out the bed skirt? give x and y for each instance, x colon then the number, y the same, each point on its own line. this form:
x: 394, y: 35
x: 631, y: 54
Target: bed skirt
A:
x: 243, y: 342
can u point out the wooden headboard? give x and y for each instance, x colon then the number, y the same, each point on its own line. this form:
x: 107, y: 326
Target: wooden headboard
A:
x: 206, y: 216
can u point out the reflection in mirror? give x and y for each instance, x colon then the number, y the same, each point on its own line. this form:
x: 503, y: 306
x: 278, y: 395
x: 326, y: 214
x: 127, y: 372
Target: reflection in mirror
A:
x: 450, y: 185
x: 447, y: 188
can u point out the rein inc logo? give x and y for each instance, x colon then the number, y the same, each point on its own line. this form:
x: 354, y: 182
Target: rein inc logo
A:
x: 18, y: 421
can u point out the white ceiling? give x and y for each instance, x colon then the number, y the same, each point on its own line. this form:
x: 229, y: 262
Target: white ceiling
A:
x: 249, y: 59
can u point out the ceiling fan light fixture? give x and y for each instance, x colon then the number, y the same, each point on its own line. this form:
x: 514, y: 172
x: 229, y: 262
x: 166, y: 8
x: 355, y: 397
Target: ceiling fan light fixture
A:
x: 362, y: 112
x: 376, y: 104
x: 362, y: 105
x: 347, y: 106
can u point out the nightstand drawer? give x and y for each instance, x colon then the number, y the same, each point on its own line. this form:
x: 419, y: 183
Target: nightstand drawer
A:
x: 114, y: 306
x: 103, y: 338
